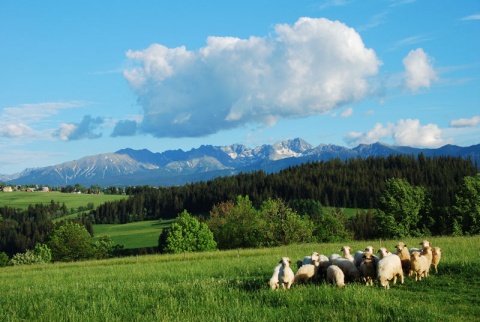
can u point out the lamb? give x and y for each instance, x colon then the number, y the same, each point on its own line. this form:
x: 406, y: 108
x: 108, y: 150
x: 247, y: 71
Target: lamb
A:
x: 419, y: 265
x: 389, y: 267
x: 348, y: 268
x: 346, y: 250
x: 285, y: 274
x: 368, y: 269
x: 335, y: 276
x: 404, y: 254
x: 436, y: 256
x: 282, y: 275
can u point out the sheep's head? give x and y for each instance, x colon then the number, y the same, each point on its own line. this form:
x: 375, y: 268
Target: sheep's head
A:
x: 415, y: 255
x: 383, y: 252
x: 400, y: 247
x: 369, y: 249
x: 315, y: 256
x: 436, y: 251
x: 285, y: 261
x: 425, y: 244
x: 346, y: 249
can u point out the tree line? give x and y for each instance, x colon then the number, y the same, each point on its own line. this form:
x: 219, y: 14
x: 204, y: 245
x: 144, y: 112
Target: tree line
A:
x: 353, y: 183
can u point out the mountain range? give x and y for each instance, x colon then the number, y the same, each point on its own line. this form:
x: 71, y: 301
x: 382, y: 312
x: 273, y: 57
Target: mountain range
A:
x: 129, y: 167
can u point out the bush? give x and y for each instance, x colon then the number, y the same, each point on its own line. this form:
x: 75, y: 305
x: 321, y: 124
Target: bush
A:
x: 71, y: 242
x: 41, y: 254
x: 4, y: 260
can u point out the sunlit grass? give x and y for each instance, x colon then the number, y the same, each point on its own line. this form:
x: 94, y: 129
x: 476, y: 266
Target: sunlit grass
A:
x: 232, y: 285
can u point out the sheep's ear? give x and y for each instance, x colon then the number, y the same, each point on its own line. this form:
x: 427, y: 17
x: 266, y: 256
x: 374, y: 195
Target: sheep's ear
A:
x: 280, y: 262
x: 350, y: 249
x: 364, y: 256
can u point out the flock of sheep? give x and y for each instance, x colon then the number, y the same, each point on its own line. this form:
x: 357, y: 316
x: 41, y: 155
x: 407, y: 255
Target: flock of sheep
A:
x: 363, y: 266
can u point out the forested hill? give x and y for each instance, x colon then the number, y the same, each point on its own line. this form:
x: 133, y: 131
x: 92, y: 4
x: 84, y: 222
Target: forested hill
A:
x: 356, y: 183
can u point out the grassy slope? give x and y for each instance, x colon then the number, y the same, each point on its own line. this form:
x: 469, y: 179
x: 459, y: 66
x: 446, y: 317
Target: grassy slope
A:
x: 133, y: 235
x: 231, y: 286
x: 22, y: 200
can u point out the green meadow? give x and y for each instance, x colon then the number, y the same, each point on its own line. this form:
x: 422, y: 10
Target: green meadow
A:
x: 133, y: 235
x: 232, y: 286
x: 21, y: 199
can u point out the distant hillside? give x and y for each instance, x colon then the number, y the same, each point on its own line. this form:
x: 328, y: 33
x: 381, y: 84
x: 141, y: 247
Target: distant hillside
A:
x: 129, y: 167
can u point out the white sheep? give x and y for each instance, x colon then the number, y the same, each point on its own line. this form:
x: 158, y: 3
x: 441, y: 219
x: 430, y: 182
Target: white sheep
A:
x: 274, y: 282
x: 419, y: 266
x: 309, y: 259
x: 368, y: 269
x: 427, y: 252
x: 404, y: 254
x: 333, y: 257
x: 346, y: 251
x: 335, y: 276
x: 389, y: 267
x: 348, y: 268
x: 285, y: 275
x: 306, y: 273
x: 436, y: 256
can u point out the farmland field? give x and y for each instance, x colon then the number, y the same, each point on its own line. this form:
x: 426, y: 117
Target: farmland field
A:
x: 20, y: 199
x: 232, y: 286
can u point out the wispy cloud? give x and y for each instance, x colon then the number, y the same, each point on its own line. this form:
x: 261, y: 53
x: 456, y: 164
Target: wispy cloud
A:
x: 333, y: 3
x: 410, y: 41
x: 472, y: 17
x: 466, y: 122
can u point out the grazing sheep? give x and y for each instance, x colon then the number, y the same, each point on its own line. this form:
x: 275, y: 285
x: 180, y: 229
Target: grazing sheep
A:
x: 348, y: 268
x: 323, y: 264
x: 274, y: 284
x: 335, y: 276
x: 436, y: 256
x: 305, y: 273
x: 285, y: 275
x: 389, y: 267
x: 419, y: 266
x: 404, y: 254
x: 346, y: 250
x: 333, y: 257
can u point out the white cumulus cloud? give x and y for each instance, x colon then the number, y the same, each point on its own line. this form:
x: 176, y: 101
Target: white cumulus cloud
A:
x: 419, y: 71
x: 407, y: 132
x: 307, y: 68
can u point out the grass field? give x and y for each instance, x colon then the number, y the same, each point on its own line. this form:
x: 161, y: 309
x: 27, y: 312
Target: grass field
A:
x: 133, y: 235
x: 232, y: 286
x: 20, y: 199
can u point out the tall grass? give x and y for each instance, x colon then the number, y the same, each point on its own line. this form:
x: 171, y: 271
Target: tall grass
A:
x: 232, y: 286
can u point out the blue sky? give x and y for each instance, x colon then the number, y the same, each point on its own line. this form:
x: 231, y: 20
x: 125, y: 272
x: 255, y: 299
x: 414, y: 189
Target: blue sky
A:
x: 89, y: 77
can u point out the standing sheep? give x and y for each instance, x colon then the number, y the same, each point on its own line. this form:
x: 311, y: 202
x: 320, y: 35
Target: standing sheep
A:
x: 358, y: 256
x: 404, y: 254
x: 285, y: 275
x: 368, y: 269
x: 308, y: 259
x: 335, y: 276
x: 419, y: 265
x: 323, y: 264
x: 306, y: 273
x: 436, y: 256
x: 389, y: 267
x: 427, y: 252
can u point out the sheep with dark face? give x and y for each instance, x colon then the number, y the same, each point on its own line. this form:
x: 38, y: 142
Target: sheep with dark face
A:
x: 368, y: 269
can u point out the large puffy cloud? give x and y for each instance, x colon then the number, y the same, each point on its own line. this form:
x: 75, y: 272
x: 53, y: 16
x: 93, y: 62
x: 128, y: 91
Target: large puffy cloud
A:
x: 407, y: 132
x: 308, y: 68
x: 84, y: 130
x: 419, y: 70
